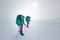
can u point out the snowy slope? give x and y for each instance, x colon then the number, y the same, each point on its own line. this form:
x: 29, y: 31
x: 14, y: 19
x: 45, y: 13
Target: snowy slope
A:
x: 38, y: 30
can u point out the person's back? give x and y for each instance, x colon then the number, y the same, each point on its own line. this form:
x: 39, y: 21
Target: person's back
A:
x: 20, y: 20
x: 28, y: 18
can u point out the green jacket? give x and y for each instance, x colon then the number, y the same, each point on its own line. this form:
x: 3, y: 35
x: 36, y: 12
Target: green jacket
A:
x: 20, y: 20
x: 28, y: 18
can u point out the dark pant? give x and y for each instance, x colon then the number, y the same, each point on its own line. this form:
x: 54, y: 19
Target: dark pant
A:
x: 27, y: 23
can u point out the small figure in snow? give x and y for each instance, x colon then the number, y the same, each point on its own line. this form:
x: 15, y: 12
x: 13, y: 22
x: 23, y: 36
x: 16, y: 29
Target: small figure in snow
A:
x: 28, y: 20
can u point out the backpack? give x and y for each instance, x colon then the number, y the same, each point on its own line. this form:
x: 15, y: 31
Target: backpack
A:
x: 19, y: 20
x: 28, y: 18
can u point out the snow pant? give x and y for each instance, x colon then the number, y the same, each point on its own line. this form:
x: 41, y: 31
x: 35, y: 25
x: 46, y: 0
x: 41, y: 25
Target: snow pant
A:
x: 21, y: 28
x: 27, y: 23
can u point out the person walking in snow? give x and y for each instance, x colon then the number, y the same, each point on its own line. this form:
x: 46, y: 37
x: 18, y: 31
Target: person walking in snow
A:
x: 28, y: 20
x: 20, y: 23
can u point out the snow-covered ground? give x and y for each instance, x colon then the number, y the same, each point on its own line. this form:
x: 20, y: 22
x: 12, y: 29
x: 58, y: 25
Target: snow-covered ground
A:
x: 38, y: 30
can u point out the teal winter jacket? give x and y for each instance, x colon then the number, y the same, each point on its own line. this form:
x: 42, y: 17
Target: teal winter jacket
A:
x: 20, y: 20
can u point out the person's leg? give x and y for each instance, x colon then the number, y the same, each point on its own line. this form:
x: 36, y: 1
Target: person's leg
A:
x: 21, y: 30
x: 27, y: 23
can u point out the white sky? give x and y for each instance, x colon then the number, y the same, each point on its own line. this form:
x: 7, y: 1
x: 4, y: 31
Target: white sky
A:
x: 37, y: 9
